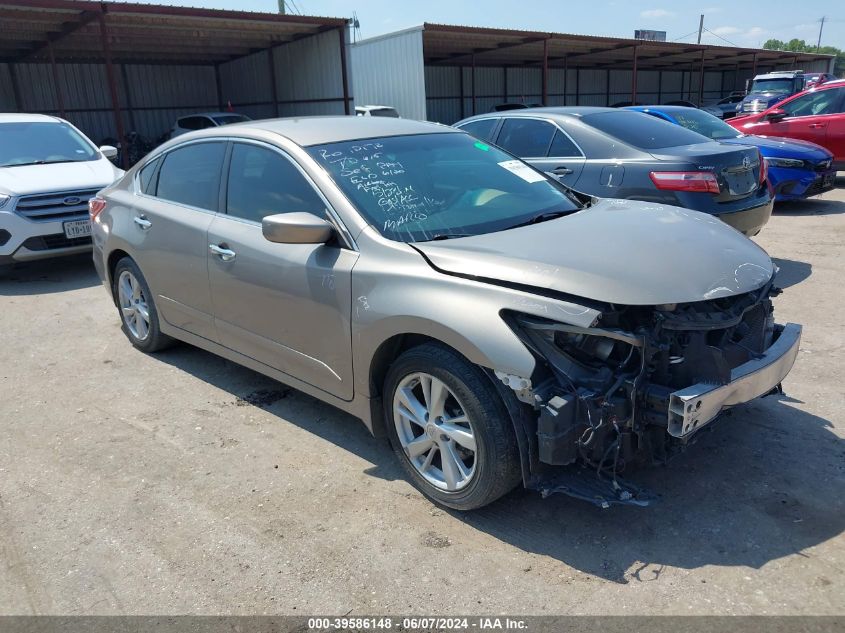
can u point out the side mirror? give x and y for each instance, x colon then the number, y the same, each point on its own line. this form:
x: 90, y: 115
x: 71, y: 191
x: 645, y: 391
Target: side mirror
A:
x: 296, y: 228
x: 776, y: 115
x: 109, y: 151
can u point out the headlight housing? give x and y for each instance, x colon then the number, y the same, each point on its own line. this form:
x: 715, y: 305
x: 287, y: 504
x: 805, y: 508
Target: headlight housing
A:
x: 4, y: 199
x: 793, y: 163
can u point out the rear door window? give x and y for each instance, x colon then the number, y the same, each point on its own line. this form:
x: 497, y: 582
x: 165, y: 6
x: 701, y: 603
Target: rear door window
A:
x: 562, y: 145
x: 482, y: 129
x: 191, y: 175
x: 263, y: 182
x: 527, y: 138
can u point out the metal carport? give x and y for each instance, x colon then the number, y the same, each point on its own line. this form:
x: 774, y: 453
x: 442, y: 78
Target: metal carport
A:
x: 462, y: 70
x: 114, y: 67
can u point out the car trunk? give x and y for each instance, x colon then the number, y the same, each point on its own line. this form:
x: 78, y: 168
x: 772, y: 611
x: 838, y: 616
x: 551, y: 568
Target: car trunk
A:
x: 736, y: 167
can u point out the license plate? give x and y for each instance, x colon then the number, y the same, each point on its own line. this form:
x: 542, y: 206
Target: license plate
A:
x: 77, y: 228
x: 829, y: 179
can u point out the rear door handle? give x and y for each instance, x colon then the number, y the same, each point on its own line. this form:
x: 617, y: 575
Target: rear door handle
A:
x: 222, y: 252
x: 143, y: 222
x: 814, y: 126
x: 561, y: 171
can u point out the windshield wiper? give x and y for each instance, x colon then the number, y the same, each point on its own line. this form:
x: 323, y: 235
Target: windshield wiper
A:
x: 543, y: 217
x: 447, y: 236
x: 41, y: 162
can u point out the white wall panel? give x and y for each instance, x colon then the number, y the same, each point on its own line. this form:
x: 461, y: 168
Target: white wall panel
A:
x: 389, y: 71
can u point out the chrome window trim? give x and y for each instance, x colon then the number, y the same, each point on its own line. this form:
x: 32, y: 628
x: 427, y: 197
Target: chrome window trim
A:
x: 553, y: 124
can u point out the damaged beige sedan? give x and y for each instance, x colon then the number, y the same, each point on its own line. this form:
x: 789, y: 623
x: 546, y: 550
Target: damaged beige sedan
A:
x: 496, y: 327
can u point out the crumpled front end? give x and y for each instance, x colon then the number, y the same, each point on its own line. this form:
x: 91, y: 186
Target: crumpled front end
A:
x: 643, y: 381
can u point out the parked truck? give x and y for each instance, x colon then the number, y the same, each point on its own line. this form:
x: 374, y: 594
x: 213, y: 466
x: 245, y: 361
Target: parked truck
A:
x: 767, y: 89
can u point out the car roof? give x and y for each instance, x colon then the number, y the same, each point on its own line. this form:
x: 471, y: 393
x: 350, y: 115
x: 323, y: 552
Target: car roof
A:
x: 22, y: 117
x: 212, y: 114
x: 661, y: 108
x: 317, y: 130
x: 563, y: 112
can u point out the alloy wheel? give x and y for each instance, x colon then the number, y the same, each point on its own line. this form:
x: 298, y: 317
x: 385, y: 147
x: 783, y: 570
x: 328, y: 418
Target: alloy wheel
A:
x: 133, y: 305
x: 435, y: 431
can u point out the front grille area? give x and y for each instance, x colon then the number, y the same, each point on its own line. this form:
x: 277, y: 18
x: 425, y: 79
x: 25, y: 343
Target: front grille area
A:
x: 62, y: 205
x: 51, y: 242
x: 817, y: 187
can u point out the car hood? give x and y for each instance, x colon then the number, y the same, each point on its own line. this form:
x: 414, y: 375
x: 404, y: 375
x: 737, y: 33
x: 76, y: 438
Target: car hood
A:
x: 617, y: 251
x: 29, y: 179
x: 782, y: 147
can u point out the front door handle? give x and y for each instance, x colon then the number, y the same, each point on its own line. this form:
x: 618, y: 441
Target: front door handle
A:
x: 814, y: 126
x: 561, y: 171
x: 222, y: 252
x: 143, y: 222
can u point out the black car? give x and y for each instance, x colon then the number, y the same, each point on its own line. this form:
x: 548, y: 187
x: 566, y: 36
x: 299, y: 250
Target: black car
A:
x: 613, y: 153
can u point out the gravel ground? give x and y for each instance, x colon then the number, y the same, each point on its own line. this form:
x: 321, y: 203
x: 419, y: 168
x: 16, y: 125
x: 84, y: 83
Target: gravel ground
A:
x: 181, y: 483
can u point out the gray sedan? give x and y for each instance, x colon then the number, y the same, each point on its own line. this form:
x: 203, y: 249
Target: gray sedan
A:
x: 496, y: 328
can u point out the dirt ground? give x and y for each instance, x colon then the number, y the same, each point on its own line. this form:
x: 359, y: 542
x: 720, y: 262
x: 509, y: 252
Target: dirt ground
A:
x: 181, y: 483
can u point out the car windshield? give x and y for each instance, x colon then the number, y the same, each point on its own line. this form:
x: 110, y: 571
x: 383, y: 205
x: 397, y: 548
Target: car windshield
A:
x: 777, y: 86
x: 228, y: 119
x: 641, y: 130
x: 437, y: 186
x: 41, y: 142
x: 705, y: 124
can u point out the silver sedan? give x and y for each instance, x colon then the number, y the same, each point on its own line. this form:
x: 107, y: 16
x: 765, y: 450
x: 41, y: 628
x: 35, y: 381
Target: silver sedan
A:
x: 496, y: 327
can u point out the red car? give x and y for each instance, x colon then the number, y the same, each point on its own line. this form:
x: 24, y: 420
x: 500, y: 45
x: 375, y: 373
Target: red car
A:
x: 816, y: 115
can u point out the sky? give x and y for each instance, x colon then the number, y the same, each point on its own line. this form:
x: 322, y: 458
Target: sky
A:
x: 748, y: 23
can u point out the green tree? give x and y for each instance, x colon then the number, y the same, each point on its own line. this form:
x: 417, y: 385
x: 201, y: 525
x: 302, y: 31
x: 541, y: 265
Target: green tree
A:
x: 800, y: 46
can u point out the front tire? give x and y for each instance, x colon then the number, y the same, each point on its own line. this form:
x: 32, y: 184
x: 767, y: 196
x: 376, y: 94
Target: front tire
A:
x: 449, y: 428
x: 138, y: 313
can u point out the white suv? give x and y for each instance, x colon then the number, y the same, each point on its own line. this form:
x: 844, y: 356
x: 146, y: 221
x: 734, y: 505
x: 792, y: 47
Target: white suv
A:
x: 48, y: 171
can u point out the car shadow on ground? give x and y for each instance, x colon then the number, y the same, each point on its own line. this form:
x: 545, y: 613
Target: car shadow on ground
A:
x: 791, y: 272
x: 811, y: 206
x: 765, y: 482
x: 46, y: 276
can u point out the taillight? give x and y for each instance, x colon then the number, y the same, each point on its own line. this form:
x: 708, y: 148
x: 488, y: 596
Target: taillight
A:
x: 764, y: 168
x: 95, y: 207
x: 700, y: 181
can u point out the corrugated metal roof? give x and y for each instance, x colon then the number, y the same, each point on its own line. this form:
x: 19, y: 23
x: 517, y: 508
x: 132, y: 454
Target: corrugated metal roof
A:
x: 445, y: 44
x: 143, y: 33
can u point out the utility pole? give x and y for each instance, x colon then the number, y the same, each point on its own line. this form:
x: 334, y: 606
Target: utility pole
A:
x: 821, y: 26
x: 701, y: 27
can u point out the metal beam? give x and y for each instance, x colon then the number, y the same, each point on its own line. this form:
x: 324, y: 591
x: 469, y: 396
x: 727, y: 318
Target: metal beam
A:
x: 479, y: 51
x: 56, y: 85
x: 271, y: 65
x: 545, y: 72
x: 701, y: 80
x: 341, y: 31
x: 68, y: 28
x: 115, y: 99
x: 634, y: 79
x: 472, y: 84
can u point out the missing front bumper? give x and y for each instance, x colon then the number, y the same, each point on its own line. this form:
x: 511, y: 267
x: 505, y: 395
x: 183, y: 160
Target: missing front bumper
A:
x: 695, y: 406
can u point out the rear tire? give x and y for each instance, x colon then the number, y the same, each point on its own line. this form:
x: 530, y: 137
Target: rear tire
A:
x: 138, y: 313
x: 449, y: 428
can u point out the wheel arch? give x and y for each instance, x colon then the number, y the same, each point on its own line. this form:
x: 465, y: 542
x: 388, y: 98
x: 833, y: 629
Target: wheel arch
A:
x: 394, y: 346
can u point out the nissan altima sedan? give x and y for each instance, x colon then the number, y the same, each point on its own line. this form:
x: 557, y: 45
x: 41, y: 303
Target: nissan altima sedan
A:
x: 495, y: 327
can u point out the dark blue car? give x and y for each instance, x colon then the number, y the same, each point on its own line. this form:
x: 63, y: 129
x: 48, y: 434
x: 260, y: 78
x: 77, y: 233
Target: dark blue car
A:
x: 797, y: 169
